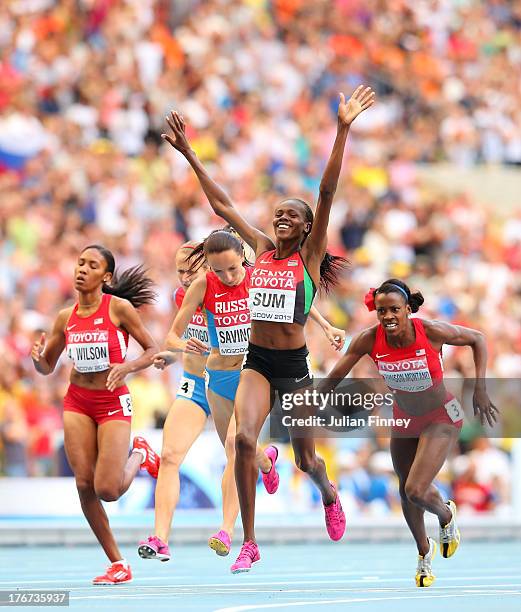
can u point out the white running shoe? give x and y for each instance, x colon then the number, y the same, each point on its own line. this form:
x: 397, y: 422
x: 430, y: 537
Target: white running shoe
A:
x: 450, y: 535
x: 424, y: 575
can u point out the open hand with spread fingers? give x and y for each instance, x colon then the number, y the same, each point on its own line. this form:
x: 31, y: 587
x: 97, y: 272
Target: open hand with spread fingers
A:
x: 361, y: 100
x: 484, y: 407
x: 176, y: 137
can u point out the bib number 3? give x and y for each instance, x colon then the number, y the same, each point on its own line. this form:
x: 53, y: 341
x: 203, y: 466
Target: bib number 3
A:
x: 454, y: 410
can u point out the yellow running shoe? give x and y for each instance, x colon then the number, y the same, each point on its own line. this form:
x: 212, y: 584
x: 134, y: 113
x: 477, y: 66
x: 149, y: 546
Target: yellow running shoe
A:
x: 449, y: 535
x: 424, y: 575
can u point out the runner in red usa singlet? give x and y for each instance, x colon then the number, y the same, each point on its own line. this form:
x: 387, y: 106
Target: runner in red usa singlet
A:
x: 94, y: 342
x: 98, y: 407
x: 407, y: 353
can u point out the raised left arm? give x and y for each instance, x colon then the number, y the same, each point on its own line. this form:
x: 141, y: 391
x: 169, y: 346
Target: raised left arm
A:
x: 127, y: 317
x: 315, y: 245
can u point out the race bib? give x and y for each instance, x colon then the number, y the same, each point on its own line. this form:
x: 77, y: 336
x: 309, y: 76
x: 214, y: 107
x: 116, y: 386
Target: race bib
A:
x: 89, y: 350
x: 411, y: 375
x: 232, y: 326
x: 454, y: 410
x: 272, y: 305
x: 197, y: 329
x: 186, y: 387
x: 126, y: 403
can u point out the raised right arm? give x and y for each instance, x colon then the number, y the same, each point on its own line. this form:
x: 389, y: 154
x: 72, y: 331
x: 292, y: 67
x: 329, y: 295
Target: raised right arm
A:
x: 218, y: 198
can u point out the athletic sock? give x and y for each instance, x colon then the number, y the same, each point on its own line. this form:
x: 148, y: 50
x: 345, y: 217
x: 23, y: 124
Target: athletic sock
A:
x: 142, y: 452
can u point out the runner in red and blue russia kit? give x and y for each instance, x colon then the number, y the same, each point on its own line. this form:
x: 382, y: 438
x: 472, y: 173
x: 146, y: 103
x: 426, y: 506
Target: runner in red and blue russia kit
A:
x: 277, y: 351
x: 98, y: 406
x: 407, y: 353
x: 221, y: 293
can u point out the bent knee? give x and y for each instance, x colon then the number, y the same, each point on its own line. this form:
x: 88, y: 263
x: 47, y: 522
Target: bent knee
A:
x: 306, y: 463
x: 403, y: 494
x: 245, y: 443
x: 108, y: 493
x: 414, y: 492
x: 85, y: 485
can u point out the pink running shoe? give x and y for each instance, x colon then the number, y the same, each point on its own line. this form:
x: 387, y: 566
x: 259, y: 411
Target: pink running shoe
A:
x: 247, y: 557
x: 154, y: 548
x: 220, y: 542
x: 335, y: 517
x: 271, y: 478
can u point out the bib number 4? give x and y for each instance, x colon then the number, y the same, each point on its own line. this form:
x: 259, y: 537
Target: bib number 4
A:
x: 186, y: 387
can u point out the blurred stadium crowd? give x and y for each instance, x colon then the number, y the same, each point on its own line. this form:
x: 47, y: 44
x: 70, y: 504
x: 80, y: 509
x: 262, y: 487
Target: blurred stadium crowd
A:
x: 84, y: 89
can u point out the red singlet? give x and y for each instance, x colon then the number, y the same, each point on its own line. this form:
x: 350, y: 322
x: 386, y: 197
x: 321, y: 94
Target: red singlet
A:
x: 413, y: 369
x: 94, y: 343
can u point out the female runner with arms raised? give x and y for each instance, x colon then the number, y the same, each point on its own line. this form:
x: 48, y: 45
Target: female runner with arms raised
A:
x: 283, y: 286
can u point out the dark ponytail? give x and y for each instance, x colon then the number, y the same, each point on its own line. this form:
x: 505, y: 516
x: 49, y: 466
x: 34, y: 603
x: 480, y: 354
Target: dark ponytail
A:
x: 133, y: 284
x: 331, y: 266
x: 395, y: 285
x: 218, y: 241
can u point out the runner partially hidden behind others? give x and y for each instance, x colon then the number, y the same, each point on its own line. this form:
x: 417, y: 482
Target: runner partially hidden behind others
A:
x: 407, y: 353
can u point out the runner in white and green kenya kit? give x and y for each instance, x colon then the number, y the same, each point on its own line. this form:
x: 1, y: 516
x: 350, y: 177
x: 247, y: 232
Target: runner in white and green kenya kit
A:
x: 279, y: 303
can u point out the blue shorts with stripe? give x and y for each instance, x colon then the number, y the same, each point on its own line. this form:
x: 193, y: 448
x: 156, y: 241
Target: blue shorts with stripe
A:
x: 193, y: 388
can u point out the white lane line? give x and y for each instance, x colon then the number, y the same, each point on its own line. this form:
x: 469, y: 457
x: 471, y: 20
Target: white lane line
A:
x: 238, y: 582
x: 493, y: 590
x: 316, y: 602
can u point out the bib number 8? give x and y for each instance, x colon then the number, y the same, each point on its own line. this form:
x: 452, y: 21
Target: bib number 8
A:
x: 186, y: 387
x: 454, y: 410
x: 126, y: 404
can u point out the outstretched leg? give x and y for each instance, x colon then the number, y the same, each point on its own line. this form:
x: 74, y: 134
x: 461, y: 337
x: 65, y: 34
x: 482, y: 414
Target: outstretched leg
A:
x: 183, y: 425
x: 252, y: 406
x: 417, y: 463
x: 81, y: 448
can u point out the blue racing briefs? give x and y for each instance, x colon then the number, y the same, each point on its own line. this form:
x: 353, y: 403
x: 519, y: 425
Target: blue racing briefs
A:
x: 193, y: 388
x: 223, y: 382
